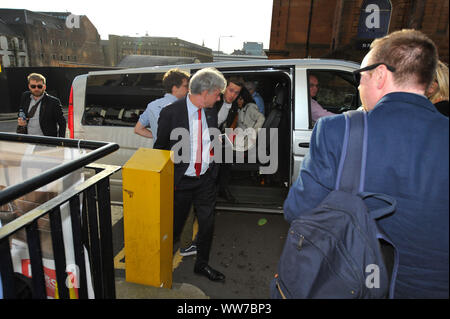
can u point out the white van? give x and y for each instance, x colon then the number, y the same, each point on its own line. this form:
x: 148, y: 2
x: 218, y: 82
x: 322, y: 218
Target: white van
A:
x: 105, y: 106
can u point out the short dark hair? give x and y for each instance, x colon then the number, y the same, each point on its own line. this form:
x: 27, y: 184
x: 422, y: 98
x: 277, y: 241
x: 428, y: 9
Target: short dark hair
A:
x: 413, y: 55
x: 36, y: 77
x: 174, y: 77
x: 236, y: 80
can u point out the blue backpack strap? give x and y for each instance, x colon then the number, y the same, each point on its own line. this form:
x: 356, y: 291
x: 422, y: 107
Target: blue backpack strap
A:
x: 352, y: 164
x: 351, y: 175
x: 383, y: 211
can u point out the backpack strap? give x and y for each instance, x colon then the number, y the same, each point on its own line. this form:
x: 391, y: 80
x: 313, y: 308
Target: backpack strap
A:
x: 352, y: 164
x: 350, y: 178
x: 390, y: 204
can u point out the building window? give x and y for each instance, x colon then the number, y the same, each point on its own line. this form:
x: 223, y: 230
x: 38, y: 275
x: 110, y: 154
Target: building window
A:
x: 11, y: 44
x: 12, y: 60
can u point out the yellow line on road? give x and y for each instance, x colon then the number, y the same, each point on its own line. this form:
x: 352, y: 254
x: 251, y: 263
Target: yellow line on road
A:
x: 118, y: 263
x: 176, y: 261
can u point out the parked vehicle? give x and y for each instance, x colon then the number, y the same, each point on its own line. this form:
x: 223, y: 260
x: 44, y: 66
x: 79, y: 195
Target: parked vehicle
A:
x: 105, y: 106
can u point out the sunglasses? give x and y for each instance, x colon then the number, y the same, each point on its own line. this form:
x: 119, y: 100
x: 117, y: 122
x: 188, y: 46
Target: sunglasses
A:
x: 39, y: 86
x: 357, y: 73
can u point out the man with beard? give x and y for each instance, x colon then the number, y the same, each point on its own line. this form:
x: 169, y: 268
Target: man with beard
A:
x: 43, y: 112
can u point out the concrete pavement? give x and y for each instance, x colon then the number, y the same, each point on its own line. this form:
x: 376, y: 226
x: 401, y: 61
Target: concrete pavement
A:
x: 128, y: 290
x: 246, y: 248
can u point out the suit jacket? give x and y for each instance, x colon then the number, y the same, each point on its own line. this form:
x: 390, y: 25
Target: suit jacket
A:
x: 51, y: 118
x: 407, y: 158
x: 175, y: 116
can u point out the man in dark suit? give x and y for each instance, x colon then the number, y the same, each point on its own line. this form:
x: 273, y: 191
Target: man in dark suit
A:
x: 407, y: 158
x: 43, y: 112
x: 188, y: 123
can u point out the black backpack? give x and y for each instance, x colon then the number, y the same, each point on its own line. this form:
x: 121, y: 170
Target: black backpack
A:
x: 337, y: 250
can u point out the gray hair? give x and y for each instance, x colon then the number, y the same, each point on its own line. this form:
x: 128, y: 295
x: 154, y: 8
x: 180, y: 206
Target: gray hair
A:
x: 208, y: 79
x: 250, y: 85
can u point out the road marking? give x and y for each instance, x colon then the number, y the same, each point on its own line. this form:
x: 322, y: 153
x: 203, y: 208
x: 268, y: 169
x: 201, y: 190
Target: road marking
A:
x: 119, y: 263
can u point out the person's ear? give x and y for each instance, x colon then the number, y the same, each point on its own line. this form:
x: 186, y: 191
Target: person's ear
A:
x: 380, y: 76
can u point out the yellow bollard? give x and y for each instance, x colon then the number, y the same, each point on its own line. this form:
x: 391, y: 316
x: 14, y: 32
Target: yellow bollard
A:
x: 148, y: 217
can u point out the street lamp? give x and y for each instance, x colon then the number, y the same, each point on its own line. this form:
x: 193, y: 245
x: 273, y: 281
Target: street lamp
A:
x: 223, y: 36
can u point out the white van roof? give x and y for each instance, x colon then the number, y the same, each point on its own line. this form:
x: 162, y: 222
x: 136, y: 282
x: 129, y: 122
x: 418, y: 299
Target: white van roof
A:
x: 231, y: 64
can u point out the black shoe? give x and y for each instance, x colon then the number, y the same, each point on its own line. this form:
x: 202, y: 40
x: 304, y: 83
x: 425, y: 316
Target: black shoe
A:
x: 226, y: 194
x: 209, y: 273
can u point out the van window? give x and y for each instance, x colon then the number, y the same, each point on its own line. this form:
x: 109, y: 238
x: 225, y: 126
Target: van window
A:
x: 337, y: 92
x: 119, y: 99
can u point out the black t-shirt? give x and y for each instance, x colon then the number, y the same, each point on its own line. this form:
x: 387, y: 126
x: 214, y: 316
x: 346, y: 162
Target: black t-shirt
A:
x: 442, y: 107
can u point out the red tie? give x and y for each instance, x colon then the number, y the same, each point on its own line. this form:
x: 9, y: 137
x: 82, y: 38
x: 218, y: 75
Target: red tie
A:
x: 198, y: 160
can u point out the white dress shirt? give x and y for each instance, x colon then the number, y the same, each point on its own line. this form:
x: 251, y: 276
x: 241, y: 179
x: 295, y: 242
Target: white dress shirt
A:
x: 193, y: 133
x: 223, y: 113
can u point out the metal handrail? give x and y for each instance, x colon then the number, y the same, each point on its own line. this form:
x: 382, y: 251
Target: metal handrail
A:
x: 34, y: 214
x: 91, y: 222
x: 101, y: 149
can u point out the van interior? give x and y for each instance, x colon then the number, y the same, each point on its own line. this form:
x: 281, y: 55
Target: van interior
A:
x: 249, y: 185
x: 119, y: 100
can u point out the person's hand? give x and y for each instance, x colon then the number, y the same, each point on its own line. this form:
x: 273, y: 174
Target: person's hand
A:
x: 21, y: 122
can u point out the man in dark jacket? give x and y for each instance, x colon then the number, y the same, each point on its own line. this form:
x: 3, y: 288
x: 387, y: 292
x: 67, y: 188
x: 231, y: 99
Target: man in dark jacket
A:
x: 43, y: 112
x: 407, y: 158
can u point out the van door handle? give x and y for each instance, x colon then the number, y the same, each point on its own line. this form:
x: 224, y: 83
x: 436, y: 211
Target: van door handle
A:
x: 304, y: 145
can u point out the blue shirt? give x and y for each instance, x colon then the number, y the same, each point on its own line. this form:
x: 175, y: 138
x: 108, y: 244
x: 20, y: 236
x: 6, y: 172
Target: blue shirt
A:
x: 151, y: 114
x: 259, y: 101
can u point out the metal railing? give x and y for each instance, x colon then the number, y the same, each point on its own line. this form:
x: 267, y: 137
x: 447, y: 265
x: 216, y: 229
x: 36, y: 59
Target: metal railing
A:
x: 91, y: 224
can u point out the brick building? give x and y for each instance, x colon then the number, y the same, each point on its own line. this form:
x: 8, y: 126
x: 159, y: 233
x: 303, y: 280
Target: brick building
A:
x: 335, y: 28
x: 45, y: 39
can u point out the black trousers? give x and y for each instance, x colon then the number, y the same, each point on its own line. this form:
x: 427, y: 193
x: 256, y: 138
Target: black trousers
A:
x: 201, y: 192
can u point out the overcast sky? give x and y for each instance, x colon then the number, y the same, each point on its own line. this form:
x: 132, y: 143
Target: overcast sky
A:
x: 195, y: 21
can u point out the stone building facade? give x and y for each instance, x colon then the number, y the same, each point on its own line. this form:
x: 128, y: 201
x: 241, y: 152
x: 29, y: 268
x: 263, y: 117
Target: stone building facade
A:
x: 119, y: 47
x: 49, y: 39
x: 334, y: 28
x: 13, y: 48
